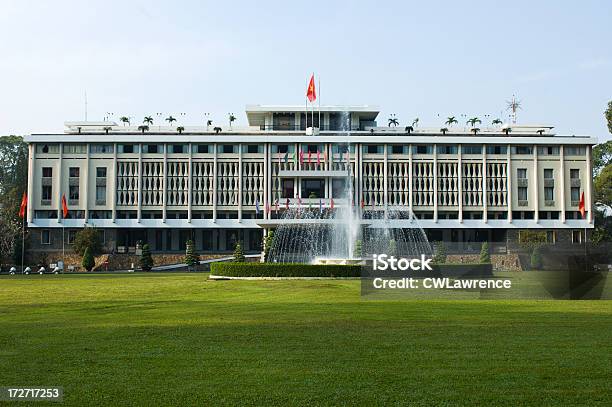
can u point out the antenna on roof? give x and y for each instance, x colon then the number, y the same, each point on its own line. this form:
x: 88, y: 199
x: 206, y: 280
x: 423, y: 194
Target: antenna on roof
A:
x: 513, y: 105
x: 85, y: 104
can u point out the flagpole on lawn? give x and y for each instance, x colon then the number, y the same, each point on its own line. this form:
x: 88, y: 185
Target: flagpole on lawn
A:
x: 319, y: 97
x: 23, y: 220
x: 312, y: 107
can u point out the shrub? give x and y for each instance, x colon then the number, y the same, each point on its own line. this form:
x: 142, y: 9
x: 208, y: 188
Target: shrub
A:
x: 358, y: 249
x: 87, y: 237
x: 485, y: 257
x: 146, y: 261
x: 268, y: 241
x: 530, y: 239
x: 284, y: 270
x: 536, y: 258
x: 191, y: 257
x: 239, y: 254
x: 440, y: 253
x: 88, y: 261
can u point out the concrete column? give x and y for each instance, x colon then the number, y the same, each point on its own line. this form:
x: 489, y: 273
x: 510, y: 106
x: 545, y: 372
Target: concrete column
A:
x: 562, y: 178
x: 460, y: 182
x: 266, y: 183
x: 189, y: 184
x: 86, y: 183
x: 165, y: 185
x: 60, y: 182
x: 31, y: 171
x: 215, y: 170
x: 588, y: 201
x: 139, y: 206
x: 113, y: 185
x: 385, y: 179
x: 485, y: 204
x: 509, y: 185
x: 536, y: 192
x: 435, y: 182
x: 240, y: 183
x: 410, y: 187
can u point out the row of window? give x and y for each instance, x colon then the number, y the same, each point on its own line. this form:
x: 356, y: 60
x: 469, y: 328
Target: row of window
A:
x: 312, y: 148
x: 73, y: 187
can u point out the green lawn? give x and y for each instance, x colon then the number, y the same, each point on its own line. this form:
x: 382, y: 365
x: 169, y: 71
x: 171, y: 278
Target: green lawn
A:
x: 179, y: 339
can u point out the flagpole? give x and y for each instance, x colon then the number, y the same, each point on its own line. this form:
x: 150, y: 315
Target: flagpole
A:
x: 319, y: 97
x: 22, y: 241
x: 312, y: 108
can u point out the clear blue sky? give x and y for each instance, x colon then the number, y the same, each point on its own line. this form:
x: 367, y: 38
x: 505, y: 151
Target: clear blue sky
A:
x: 415, y: 59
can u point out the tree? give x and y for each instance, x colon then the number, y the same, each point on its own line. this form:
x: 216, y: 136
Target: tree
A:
x: 472, y: 122
x: 608, y: 114
x: 602, y: 156
x: 107, y: 129
x: 124, y: 120
x: 10, y: 236
x: 536, y: 259
x: 267, y: 244
x: 496, y: 121
x: 180, y: 129
x: 148, y: 120
x: 239, y: 254
x: 408, y: 129
x: 146, y: 260
x: 602, y: 186
x: 208, y: 124
x: 217, y: 130
x: 443, y: 130
x: 393, y: 121
x: 88, y: 261
x: 415, y: 122
x: 170, y: 119
x: 358, y: 249
x: 475, y: 130
x: 451, y: 120
x: 143, y: 128
x: 440, y: 253
x: 485, y: 256
x: 87, y: 238
x: 191, y: 257
x: 232, y: 118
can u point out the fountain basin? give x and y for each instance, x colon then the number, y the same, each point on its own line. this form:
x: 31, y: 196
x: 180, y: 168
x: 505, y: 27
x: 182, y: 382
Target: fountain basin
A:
x: 327, y: 261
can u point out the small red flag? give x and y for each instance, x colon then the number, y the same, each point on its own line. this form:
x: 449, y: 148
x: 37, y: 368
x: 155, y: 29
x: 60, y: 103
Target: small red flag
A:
x: 287, y: 204
x: 64, y: 206
x: 311, y: 93
x: 309, y: 156
x: 318, y: 157
x: 362, y: 203
x: 581, y: 207
x: 332, y: 203
x: 301, y: 157
x: 24, y: 204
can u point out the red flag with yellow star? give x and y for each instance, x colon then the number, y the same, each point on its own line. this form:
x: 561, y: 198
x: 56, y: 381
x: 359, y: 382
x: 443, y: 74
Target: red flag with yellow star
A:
x: 311, y: 93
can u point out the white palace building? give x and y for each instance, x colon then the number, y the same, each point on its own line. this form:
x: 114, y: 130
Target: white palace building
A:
x: 218, y: 185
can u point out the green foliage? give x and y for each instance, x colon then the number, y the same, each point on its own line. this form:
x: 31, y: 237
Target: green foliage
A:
x: 191, y: 257
x: 602, y: 186
x: 440, y: 253
x: 87, y: 238
x: 608, y: 114
x: 603, y: 227
x: 239, y: 254
x: 146, y: 261
x: 267, y: 244
x: 88, y: 262
x: 485, y: 256
x: 284, y: 270
x: 530, y: 239
x: 392, y: 248
x: 536, y: 258
x: 358, y: 249
x: 602, y: 156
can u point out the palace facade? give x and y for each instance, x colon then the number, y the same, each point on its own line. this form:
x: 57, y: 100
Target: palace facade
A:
x: 221, y: 184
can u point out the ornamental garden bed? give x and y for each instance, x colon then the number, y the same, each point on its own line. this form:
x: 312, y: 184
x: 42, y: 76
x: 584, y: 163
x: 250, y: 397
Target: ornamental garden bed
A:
x: 284, y: 270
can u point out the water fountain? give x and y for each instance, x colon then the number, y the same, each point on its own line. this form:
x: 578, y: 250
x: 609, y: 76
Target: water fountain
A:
x: 330, y: 236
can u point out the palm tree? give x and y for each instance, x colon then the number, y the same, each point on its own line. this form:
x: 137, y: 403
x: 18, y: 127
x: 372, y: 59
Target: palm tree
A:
x: 232, y: 118
x: 408, y: 129
x: 148, y: 120
x: 475, y: 130
x: 107, y: 129
x: 507, y: 130
x: 415, y: 122
x: 124, y: 120
x: 393, y: 120
x: 472, y: 122
x: 451, y: 120
x: 180, y: 129
x: 496, y: 121
x: 208, y: 123
x: 143, y: 128
x: 443, y: 130
x: 540, y: 131
x: 170, y: 119
x: 217, y: 130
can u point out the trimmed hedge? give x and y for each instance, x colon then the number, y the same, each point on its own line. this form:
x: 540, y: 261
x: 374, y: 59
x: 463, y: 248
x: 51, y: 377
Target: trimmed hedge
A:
x: 284, y: 270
